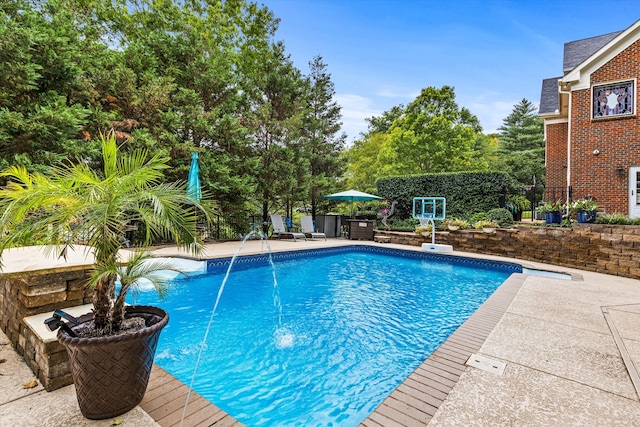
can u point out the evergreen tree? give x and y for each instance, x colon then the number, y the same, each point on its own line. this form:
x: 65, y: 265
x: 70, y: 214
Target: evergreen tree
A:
x: 521, y: 139
x: 171, y: 77
x: 46, y: 99
x: 276, y: 107
x: 324, y: 142
x: 184, y: 85
x: 522, y: 129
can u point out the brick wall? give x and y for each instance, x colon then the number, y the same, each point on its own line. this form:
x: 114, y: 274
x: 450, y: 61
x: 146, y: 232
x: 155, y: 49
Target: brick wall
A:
x: 617, y: 139
x: 556, y: 157
x: 609, y: 249
x: 34, y: 293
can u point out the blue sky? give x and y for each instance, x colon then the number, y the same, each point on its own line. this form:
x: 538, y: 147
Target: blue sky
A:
x: 381, y: 53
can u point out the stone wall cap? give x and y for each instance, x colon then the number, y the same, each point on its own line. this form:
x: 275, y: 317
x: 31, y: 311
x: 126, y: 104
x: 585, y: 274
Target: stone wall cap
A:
x: 36, y: 322
x: 46, y: 259
x: 35, y: 258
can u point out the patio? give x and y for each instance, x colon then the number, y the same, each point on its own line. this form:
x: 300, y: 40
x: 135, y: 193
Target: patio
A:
x: 564, y: 343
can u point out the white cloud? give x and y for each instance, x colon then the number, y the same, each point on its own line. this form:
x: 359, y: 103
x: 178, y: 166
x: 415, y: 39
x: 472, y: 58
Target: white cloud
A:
x: 390, y: 93
x: 489, y: 109
x: 355, y: 109
x: 540, y: 38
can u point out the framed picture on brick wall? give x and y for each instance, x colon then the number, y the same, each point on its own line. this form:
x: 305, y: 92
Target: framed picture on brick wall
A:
x: 613, y: 99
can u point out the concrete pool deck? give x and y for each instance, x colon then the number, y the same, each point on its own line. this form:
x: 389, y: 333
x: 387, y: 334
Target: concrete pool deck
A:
x: 563, y: 344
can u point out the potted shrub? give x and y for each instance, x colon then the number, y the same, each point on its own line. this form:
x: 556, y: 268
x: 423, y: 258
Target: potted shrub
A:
x: 424, y: 231
x: 585, y: 210
x: 552, y: 212
x: 486, y: 226
x: 518, y: 204
x: 112, y: 355
x: 454, y: 224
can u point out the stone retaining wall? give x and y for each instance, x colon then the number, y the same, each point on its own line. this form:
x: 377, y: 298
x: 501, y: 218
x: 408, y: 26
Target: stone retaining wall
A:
x: 609, y: 249
x: 34, y: 293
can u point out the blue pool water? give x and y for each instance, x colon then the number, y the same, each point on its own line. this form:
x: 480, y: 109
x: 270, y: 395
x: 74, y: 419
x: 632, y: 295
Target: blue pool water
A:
x: 352, y: 325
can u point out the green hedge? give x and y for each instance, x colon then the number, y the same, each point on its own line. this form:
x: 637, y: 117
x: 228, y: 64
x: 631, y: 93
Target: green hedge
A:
x: 466, y: 192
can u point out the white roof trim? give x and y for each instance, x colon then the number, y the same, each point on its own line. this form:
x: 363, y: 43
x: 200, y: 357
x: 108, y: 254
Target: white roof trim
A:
x: 556, y: 121
x: 549, y: 116
x: 580, y: 76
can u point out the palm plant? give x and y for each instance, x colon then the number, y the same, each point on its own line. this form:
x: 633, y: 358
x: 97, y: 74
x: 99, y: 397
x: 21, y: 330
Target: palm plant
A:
x: 77, y: 204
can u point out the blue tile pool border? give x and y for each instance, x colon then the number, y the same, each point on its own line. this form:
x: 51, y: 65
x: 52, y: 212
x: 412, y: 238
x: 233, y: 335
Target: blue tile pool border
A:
x: 418, y: 398
x: 220, y: 265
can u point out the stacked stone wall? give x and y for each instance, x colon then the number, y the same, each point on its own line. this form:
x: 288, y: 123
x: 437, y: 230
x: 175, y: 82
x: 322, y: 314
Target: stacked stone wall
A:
x: 34, y: 293
x: 609, y: 249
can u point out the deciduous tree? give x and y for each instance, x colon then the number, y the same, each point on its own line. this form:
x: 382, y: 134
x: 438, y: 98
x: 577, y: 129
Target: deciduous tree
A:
x: 431, y: 134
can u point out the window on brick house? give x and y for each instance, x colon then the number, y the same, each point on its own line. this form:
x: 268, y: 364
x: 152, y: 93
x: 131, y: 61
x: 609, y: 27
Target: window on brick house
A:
x: 615, y: 99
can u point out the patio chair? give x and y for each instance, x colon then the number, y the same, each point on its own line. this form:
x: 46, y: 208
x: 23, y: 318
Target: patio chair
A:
x: 308, y: 229
x: 280, y: 229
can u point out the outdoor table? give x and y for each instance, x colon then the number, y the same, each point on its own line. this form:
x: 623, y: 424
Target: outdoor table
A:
x: 361, y: 229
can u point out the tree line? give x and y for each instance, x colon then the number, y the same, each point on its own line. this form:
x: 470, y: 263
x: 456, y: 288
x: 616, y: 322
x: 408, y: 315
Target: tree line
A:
x: 175, y: 77
x: 172, y: 77
x: 433, y: 134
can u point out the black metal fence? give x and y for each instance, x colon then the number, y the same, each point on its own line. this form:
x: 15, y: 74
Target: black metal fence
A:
x: 552, y: 194
x: 229, y: 227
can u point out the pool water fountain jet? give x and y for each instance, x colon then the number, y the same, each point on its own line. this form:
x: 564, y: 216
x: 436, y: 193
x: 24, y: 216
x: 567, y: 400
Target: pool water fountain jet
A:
x: 282, y: 336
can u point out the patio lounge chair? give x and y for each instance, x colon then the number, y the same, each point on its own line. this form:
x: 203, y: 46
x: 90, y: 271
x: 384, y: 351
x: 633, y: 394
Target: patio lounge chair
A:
x: 307, y: 228
x: 280, y: 229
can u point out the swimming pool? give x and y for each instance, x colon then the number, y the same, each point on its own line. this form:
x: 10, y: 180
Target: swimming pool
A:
x: 352, y: 325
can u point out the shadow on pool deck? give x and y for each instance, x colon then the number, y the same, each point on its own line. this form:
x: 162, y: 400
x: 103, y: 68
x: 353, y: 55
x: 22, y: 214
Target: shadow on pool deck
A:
x: 563, y: 360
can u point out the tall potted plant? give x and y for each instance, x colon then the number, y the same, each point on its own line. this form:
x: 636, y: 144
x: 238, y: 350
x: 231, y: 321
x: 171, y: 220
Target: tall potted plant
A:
x: 585, y: 210
x: 518, y: 204
x: 552, y: 211
x: 112, y: 355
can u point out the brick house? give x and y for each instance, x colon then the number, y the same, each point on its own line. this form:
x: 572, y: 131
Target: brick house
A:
x: 591, y: 123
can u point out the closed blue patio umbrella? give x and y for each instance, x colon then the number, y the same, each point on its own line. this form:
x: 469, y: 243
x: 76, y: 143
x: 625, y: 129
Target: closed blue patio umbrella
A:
x: 193, y: 182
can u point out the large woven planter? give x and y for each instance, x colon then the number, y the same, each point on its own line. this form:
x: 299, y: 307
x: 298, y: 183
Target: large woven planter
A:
x: 111, y: 373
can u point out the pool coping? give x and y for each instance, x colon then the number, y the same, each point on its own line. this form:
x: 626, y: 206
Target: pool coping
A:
x: 416, y: 400
x: 413, y: 403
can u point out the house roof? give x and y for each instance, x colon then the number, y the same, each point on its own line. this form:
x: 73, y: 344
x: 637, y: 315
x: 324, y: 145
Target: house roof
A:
x: 577, y: 51
x: 579, y: 76
x: 549, y: 96
x: 580, y: 56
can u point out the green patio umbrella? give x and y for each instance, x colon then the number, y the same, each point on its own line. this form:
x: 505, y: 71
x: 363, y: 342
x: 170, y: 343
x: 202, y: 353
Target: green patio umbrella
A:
x: 352, y: 196
x: 193, y: 182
